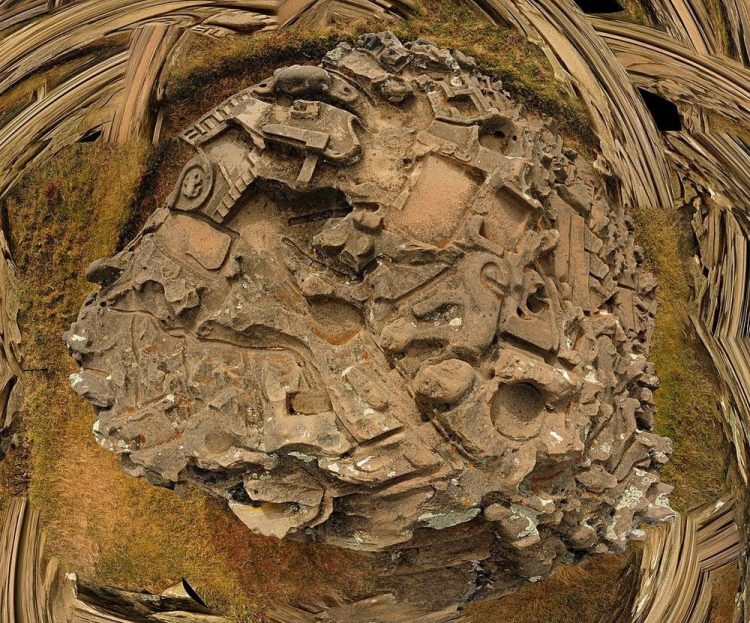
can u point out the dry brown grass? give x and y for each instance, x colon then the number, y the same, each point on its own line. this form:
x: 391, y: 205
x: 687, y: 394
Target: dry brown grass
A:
x: 234, y: 63
x: 14, y: 475
x: 107, y: 526
x: 686, y: 402
x: 724, y: 590
x: 585, y: 593
x: 636, y: 11
x: 123, y: 531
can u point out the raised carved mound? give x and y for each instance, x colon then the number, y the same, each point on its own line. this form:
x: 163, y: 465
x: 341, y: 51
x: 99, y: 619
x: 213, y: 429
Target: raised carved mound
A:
x: 384, y: 302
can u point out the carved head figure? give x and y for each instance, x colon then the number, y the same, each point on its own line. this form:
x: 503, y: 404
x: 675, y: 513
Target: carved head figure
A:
x: 384, y: 301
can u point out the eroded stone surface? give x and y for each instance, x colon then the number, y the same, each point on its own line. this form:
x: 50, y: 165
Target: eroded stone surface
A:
x: 384, y: 306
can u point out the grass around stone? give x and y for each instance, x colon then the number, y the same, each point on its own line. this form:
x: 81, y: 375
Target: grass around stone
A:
x: 686, y: 402
x: 102, y: 524
x: 500, y: 50
x: 122, y: 531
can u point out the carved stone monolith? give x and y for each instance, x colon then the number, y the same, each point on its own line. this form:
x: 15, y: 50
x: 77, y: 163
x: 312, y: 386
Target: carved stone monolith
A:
x: 386, y: 309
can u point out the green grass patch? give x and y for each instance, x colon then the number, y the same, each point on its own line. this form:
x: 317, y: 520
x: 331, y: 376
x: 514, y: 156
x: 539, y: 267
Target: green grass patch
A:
x: 686, y: 402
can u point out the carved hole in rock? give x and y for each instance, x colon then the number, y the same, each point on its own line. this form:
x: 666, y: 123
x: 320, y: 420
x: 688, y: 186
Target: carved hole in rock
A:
x: 535, y: 302
x: 610, y: 304
x: 238, y: 493
x: 465, y: 106
x: 497, y: 135
x: 599, y: 6
x: 348, y: 91
x: 516, y: 410
x: 483, y: 229
x: 370, y: 206
x: 306, y: 207
x: 339, y: 321
x: 444, y: 313
x: 665, y: 113
x: 218, y: 442
x: 494, y: 140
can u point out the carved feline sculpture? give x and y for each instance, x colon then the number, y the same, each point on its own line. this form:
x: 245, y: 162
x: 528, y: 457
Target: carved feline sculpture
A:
x: 385, y: 306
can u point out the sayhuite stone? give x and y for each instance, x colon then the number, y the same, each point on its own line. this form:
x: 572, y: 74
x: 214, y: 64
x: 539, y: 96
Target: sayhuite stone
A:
x: 384, y: 306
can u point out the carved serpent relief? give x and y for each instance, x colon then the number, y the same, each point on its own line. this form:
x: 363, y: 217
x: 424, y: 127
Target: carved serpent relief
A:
x: 385, y: 305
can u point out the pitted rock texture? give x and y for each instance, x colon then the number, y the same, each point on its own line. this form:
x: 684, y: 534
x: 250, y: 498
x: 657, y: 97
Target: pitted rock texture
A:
x: 385, y: 305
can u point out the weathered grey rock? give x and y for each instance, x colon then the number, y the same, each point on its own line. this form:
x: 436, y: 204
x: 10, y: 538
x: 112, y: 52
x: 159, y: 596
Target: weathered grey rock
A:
x: 414, y: 325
